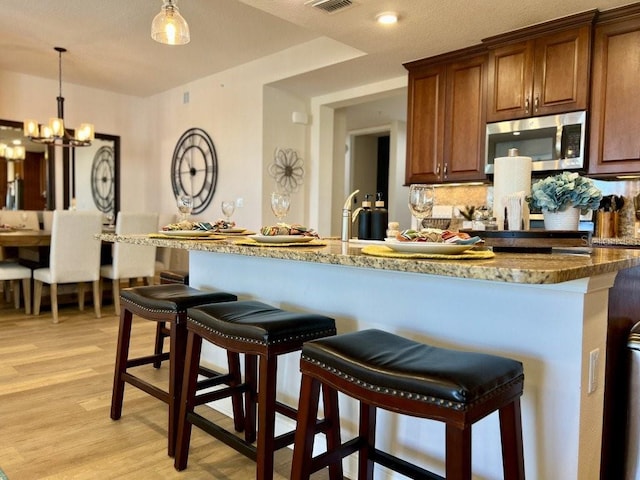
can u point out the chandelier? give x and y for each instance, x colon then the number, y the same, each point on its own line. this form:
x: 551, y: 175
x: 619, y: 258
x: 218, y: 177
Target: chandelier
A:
x: 169, y: 27
x: 55, y: 133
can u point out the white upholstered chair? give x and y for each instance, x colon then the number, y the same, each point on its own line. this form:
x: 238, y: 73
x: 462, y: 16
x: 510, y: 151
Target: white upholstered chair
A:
x: 47, y: 220
x: 163, y: 254
x: 131, y: 261
x: 20, y: 218
x: 14, y: 272
x: 74, y: 258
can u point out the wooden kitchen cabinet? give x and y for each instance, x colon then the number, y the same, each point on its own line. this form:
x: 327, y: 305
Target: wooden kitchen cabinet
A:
x: 540, y: 70
x: 615, y: 95
x: 446, y: 118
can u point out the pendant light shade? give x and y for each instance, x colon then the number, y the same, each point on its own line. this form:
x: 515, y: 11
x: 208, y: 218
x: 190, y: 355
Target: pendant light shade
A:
x: 169, y: 27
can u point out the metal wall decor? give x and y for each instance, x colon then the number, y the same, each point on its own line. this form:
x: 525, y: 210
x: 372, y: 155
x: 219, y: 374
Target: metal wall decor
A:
x: 194, y: 168
x: 103, y: 179
x: 287, y: 169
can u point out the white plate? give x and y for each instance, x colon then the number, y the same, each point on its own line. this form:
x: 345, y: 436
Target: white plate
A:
x: 281, y: 238
x: 426, y: 247
x: 186, y: 233
x: 232, y: 230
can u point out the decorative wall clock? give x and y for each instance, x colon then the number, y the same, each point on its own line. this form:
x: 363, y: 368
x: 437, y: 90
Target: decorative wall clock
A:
x: 103, y: 179
x: 194, y: 168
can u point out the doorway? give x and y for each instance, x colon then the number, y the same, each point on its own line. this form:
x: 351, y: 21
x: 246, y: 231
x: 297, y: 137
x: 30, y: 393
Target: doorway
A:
x: 368, y: 164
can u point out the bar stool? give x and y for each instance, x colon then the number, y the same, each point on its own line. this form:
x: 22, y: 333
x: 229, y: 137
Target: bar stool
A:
x: 258, y: 331
x: 162, y: 332
x: 383, y: 370
x: 166, y: 304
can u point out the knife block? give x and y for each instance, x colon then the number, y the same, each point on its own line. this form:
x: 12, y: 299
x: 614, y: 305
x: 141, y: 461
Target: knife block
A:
x: 606, y: 224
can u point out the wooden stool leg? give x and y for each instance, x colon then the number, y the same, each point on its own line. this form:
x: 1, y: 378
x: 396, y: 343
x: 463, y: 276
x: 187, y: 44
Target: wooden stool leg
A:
x: 178, y: 340
x: 367, y: 430
x: 159, y: 347
x: 458, y: 453
x: 250, y: 398
x: 511, y: 434
x: 305, y: 428
x: 122, y: 355
x: 189, y: 388
x: 332, y: 415
x: 233, y: 360
x: 266, y: 417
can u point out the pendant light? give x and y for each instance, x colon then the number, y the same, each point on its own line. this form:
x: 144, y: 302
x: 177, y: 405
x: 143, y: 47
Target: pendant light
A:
x: 169, y: 27
x: 54, y: 132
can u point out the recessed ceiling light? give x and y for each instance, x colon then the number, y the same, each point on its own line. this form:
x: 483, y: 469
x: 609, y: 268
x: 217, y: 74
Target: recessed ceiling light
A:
x: 387, y: 18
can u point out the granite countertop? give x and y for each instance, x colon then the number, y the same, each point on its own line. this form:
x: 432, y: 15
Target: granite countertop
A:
x: 617, y: 242
x: 531, y: 268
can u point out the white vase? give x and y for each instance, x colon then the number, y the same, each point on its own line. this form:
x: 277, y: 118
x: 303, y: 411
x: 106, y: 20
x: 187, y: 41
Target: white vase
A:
x: 568, y: 219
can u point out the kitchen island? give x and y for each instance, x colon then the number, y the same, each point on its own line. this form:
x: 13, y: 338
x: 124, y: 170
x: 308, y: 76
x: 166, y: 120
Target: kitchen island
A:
x: 547, y: 310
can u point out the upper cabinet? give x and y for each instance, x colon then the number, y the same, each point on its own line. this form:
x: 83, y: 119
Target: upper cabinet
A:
x: 540, y: 70
x: 446, y: 118
x: 615, y: 94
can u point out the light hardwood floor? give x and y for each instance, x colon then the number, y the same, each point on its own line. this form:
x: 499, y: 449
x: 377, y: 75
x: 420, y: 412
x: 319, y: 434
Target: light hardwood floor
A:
x: 55, y: 394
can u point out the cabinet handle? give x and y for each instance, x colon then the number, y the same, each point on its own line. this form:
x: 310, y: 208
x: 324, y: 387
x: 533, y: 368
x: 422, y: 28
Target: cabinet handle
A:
x: 438, y: 170
x: 445, y: 170
x: 526, y: 105
x: 536, y: 104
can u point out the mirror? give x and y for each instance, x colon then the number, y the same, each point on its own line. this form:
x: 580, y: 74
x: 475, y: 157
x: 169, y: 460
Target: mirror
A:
x: 29, y: 183
x: 92, y: 176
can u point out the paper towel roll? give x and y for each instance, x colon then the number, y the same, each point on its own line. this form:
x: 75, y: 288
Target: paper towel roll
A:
x: 511, y: 175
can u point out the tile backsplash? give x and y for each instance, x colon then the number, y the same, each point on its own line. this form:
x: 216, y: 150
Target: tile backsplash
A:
x: 476, y: 195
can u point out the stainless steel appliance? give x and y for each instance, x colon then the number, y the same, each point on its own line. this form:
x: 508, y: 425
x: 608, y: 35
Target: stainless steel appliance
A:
x: 554, y: 142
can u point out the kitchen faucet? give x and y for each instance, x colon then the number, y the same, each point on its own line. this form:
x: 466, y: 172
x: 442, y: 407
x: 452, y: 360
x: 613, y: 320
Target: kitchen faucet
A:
x: 346, y: 217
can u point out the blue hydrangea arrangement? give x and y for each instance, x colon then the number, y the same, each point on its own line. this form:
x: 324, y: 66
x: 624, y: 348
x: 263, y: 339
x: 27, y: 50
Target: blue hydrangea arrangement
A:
x: 562, y: 191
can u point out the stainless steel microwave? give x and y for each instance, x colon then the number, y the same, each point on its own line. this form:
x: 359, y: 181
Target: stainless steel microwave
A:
x: 554, y: 142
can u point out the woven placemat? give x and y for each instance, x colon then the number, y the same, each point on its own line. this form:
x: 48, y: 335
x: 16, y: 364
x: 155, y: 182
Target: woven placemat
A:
x: 382, y: 251
x: 251, y: 242
x: 186, y: 237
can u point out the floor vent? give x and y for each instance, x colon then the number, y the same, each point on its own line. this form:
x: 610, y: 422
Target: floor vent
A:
x: 330, y: 6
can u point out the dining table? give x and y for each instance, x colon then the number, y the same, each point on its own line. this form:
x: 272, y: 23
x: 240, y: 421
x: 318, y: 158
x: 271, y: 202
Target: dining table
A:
x: 25, y: 238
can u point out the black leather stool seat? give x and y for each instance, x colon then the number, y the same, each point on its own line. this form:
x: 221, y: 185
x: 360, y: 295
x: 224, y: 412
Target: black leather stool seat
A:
x: 259, y: 323
x: 174, y: 276
x: 396, y: 365
x: 262, y: 333
x: 170, y: 299
x: 383, y: 370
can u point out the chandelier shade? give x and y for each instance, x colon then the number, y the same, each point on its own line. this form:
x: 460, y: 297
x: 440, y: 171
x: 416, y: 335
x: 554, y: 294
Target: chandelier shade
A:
x: 54, y: 132
x: 169, y: 27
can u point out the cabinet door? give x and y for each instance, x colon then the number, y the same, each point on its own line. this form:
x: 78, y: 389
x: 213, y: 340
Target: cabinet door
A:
x: 561, y: 72
x: 510, y: 81
x: 615, y: 99
x: 425, y: 125
x: 464, y: 153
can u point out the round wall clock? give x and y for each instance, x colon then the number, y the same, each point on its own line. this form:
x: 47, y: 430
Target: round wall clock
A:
x: 194, y: 168
x: 102, y: 179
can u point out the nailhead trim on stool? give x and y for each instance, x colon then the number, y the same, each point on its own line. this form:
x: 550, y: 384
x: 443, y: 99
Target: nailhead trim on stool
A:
x: 384, y: 370
x: 165, y: 304
x: 259, y: 331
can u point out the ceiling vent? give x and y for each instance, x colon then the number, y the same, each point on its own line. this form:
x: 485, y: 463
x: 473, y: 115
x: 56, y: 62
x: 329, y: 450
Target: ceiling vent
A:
x: 329, y: 6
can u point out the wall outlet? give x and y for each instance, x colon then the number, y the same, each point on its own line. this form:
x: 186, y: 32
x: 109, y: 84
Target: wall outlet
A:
x: 593, y: 370
x: 240, y: 202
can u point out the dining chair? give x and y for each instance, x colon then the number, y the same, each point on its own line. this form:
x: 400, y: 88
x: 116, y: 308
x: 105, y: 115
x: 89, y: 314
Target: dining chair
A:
x: 163, y: 254
x: 47, y: 220
x: 14, y: 272
x: 74, y: 258
x: 27, y: 219
x: 131, y: 262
